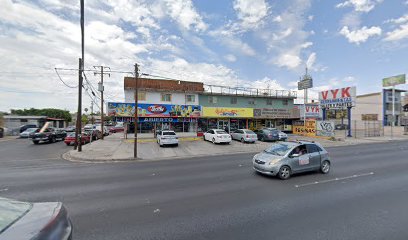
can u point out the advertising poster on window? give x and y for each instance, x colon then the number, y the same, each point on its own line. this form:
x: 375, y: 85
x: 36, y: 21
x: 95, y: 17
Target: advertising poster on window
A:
x: 153, y: 110
x: 325, y: 128
x: 309, y: 129
x: 227, y: 112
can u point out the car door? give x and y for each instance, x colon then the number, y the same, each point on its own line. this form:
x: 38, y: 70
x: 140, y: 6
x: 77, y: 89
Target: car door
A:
x: 315, y: 157
x: 300, y: 163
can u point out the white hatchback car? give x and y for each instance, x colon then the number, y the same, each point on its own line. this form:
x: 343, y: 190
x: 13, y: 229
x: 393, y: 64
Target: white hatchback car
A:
x: 167, y: 137
x: 217, y: 136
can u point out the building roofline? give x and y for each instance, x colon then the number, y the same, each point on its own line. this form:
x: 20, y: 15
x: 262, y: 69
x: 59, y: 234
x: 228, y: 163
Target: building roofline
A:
x: 369, y: 94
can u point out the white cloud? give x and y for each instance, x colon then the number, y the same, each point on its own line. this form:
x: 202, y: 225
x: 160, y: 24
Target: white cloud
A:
x: 310, y: 17
x: 230, y: 58
x: 233, y: 42
x: 311, y: 60
x: 360, y: 5
x: 185, y: 14
x: 360, y: 35
x: 399, y: 20
x: 400, y: 33
x: 290, y: 61
x: 277, y: 19
x: 251, y: 13
x: 282, y: 35
x: 352, y: 19
x: 306, y: 45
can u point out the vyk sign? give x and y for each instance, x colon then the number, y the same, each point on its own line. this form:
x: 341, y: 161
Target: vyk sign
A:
x: 338, y: 98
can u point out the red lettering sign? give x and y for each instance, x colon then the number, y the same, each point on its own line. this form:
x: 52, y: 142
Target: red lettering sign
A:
x: 157, y: 109
x: 334, y: 93
x: 345, y: 92
x: 324, y: 94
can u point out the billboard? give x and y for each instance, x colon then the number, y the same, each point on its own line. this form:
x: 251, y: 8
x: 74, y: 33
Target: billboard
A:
x: 394, y: 80
x: 227, y: 112
x: 338, y: 98
x: 153, y: 110
x: 325, y: 128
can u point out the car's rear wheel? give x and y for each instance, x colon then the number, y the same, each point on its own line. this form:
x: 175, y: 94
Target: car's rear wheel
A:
x: 242, y: 140
x: 261, y: 139
x: 36, y: 142
x: 284, y: 172
x: 53, y: 139
x: 325, y: 167
x: 213, y: 140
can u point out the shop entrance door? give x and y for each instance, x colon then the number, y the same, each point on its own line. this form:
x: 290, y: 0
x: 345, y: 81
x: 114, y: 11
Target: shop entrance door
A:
x: 223, y: 124
x: 269, y: 123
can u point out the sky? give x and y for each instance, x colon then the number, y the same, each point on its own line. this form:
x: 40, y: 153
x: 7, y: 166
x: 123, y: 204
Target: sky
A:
x: 252, y: 43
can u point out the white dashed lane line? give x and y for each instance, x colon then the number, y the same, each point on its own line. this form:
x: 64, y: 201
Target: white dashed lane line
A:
x: 335, y: 179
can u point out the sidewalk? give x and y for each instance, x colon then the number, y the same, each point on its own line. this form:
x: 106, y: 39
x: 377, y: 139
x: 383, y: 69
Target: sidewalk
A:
x: 115, y: 148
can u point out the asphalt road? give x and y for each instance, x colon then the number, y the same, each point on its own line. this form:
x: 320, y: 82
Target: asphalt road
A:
x: 217, y: 197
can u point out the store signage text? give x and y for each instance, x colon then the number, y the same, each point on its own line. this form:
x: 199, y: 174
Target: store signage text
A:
x: 342, y: 97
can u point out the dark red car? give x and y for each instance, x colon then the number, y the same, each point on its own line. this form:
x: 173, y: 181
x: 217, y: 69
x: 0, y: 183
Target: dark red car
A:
x: 116, y: 129
x: 70, y: 138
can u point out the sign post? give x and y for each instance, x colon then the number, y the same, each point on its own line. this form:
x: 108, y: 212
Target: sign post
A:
x: 305, y: 83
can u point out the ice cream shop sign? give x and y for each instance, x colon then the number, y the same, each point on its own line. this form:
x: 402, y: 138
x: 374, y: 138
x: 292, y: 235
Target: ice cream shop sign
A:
x: 153, y: 110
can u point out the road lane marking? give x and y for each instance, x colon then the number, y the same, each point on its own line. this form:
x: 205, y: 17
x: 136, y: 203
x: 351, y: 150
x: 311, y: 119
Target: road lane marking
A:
x: 335, y: 179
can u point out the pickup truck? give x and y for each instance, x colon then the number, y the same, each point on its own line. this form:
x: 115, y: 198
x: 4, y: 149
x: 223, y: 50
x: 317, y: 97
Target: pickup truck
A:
x: 49, y: 135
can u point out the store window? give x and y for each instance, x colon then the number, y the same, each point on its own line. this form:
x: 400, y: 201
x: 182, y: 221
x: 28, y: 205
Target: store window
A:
x: 251, y: 101
x: 141, y: 96
x: 234, y: 100
x: 190, y: 98
x: 269, y: 101
x: 285, y: 102
x: 212, y: 99
x: 166, y: 97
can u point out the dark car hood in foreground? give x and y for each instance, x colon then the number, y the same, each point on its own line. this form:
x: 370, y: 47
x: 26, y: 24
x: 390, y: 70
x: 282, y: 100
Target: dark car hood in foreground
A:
x: 38, y: 224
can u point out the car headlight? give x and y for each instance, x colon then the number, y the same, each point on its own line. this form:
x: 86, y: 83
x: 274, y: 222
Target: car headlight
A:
x: 273, y: 161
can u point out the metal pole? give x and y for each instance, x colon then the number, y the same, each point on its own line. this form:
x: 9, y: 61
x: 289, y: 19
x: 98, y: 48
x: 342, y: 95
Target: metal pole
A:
x: 393, y: 112
x: 349, y: 121
x: 102, y: 118
x: 136, y: 113
x: 79, y: 112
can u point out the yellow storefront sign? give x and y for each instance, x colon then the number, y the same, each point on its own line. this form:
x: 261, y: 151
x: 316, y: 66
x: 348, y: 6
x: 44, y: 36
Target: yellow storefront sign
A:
x: 308, y: 130
x: 228, y: 112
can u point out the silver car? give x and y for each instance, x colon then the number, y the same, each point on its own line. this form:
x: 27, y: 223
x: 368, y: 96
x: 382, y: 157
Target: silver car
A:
x: 244, y: 135
x: 286, y: 158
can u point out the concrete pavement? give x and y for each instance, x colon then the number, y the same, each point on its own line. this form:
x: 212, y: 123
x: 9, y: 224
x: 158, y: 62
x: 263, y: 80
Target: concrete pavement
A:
x: 116, y: 148
x: 217, y: 197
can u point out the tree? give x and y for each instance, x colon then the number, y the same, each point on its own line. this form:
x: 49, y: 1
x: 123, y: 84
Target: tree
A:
x: 49, y: 112
x: 84, y: 119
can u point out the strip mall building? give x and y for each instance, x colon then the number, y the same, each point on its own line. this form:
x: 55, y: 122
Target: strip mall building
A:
x: 185, y: 106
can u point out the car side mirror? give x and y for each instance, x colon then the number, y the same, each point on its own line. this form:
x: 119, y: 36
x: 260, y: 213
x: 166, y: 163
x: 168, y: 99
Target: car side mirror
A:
x: 295, y: 155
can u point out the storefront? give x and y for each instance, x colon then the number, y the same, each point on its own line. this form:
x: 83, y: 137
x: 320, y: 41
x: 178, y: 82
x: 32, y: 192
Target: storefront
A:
x: 229, y: 119
x: 279, y: 118
x: 180, y: 118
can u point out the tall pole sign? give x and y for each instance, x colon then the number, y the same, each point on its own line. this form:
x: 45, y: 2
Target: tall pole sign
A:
x: 392, y: 82
x: 305, y: 83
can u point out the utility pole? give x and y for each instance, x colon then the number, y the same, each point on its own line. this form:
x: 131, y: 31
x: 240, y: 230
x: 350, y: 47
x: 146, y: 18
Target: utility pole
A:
x: 79, y: 113
x: 136, y: 113
x: 101, y: 89
x: 92, y: 117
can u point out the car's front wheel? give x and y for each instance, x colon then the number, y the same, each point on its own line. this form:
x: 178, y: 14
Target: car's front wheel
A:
x: 325, y: 167
x: 242, y: 140
x: 36, y: 142
x: 53, y: 139
x: 284, y: 172
x: 213, y: 140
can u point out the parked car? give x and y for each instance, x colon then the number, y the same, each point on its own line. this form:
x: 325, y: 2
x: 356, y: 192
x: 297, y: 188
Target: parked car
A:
x: 27, y: 126
x: 117, y: 128
x: 282, y: 136
x: 341, y: 126
x: 167, y: 137
x: 217, y: 136
x: 96, y: 134
x: 267, y: 135
x: 244, y: 135
x: 49, y: 135
x: 70, y: 129
x: 70, y: 138
x: 99, y: 128
x: 34, y: 221
x: 27, y: 132
x: 286, y: 158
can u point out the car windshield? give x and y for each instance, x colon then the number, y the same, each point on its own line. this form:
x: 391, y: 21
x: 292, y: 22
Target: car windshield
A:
x: 278, y: 149
x: 249, y: 132
x: 220, y: 132
x: 169, y: 133
x: 72, y: 134
x: 31, y: 130
x: 11, y: 211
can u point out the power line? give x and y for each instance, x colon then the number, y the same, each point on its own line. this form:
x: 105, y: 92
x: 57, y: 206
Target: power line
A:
x: 63, y: 81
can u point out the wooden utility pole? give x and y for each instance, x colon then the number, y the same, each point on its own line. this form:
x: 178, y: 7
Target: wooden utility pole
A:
x: 101, y: 89
x: 136, y: 113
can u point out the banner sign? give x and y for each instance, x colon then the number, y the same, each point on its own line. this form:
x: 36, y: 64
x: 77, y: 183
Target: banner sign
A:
x: 272, y: 113
x: 168, y: 120
x: 335, y: 98
x: 305, y: 84
x: 325, y: 128
x: 227, y: 112
x: 153, y: 110
x: 392, y: 81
